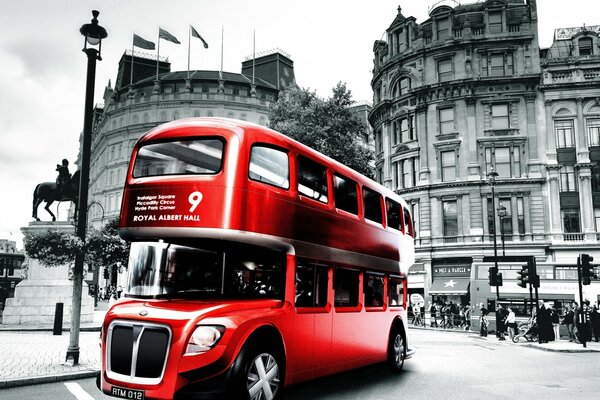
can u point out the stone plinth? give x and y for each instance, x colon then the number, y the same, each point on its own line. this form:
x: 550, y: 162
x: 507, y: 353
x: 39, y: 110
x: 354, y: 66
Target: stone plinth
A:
x: 36, y: 296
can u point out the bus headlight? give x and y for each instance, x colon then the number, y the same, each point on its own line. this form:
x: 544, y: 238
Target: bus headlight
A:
x: 204, y: 338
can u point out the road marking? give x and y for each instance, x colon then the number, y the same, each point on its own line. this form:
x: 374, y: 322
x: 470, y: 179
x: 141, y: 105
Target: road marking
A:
x: 78, y: 391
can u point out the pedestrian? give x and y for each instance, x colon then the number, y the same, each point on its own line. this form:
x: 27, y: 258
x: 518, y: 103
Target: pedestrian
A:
x: 511, y: 323
x: 416, y: 309
x: 568, y: 322
x: 447, y: 315
x: 467, y: 315
x: 500, y: 323
x: 555, y: 318
x: 545, y: 329
x: 595, y: 322
x: 454, y: 314
x: 433, y: 315
x: 483, y: 321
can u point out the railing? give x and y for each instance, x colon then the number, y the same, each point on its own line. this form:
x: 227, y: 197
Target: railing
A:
x: 573, y: 237
x: 514, y: 28
x: 478, y: 31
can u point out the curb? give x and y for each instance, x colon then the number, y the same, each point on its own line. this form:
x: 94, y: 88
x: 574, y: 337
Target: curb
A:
x: 580, y: 350
x: 17, y: 382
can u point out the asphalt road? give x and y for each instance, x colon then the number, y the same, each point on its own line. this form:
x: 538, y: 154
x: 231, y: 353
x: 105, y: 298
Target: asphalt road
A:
x: 447, y: 366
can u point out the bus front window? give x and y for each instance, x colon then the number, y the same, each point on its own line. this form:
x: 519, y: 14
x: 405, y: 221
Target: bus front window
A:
x: 173, y: 271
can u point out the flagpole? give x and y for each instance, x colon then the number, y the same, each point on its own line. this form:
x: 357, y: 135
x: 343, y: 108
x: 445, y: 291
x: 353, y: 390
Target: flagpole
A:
x: 189, y: 45
x: 221, y: 71
x: 158, y: 53
x: 131, y: 74
x: 253, y: 54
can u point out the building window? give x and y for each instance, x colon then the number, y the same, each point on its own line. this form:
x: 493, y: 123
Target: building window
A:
x: 495, y: 21
x: 448, y: 165
x: 506, y: 226
x: 568, y: 181
x: 443, y: 29
x: 405, y: 173
x: 521, y: 215
x: 597, y: 218
x: 450, y: 218
x: 571, y: 221
x: 593, y: 126
x: 395, y: 132
x: 446, y: 116
x: 585, y: 47
x: 596, y: 178
x: 414, y: 211
x: 378, y: 142
x: 498, y: 64
x: 506, y: 161
x: 403, y: 87
x: 500, y: 119
x: 445, y: 70
x: 565, y: 135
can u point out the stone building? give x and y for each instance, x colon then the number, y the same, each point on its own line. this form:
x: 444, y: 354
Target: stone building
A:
x: 458, y: 97
x: 11, y: 263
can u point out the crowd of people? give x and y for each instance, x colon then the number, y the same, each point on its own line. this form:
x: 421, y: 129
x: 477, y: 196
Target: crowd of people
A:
x: 581, y: 323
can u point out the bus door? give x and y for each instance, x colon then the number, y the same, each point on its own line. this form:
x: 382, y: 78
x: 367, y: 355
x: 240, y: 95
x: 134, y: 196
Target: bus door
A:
x: 309, y: 351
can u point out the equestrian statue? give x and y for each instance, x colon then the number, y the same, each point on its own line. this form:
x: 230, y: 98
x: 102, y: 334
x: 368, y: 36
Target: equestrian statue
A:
x: 66, y: 188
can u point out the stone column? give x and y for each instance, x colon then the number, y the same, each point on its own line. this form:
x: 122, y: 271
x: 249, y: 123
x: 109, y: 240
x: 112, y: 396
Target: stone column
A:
x: 583, y: 154
x: 585, y: 199
x: 550, y: 141
x: 473, y: 164
x: 554, y: 203
x: 423, y: 137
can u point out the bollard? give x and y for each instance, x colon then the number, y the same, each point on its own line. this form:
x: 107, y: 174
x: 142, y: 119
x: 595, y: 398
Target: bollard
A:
x: 58, y: 319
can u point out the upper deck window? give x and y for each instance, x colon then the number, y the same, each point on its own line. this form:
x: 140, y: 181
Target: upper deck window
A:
x: 312, y: 179
x: 181, y: 157
x: 394, y: 214
x: 372, y: 203
x: 270, y: 166
x: 346, y: 197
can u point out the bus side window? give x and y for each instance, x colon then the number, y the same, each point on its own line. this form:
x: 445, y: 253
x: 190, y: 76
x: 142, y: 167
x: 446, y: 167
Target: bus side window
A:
x: 372, y: 205
x: 394, y: 215
x: 270, y: 166
x: 311, y: 284
x: 396, y: 291
x: 312, y: 179
x: 345, y: 194
x: 373, y: 290
x: 346, y: 284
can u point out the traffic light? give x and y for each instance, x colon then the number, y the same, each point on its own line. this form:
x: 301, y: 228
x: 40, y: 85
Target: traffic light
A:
x: 524, y: 276
x: 105, y: 273
x: 587, y: 269
x: 495, y: 278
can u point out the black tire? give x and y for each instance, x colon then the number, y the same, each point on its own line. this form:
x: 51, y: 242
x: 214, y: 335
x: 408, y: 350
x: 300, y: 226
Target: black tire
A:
x: 397, y: 350
x: 259, y: 373
x: 515, y: 339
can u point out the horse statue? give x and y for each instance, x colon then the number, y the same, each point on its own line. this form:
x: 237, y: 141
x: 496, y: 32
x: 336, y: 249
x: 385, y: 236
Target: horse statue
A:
x: 49, y: 192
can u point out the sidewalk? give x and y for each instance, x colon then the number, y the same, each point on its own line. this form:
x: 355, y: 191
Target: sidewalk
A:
x: 560, y: 346
x: 31, y: 354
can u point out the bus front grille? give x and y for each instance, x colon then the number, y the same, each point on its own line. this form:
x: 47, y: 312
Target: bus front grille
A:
x: 137, y: 351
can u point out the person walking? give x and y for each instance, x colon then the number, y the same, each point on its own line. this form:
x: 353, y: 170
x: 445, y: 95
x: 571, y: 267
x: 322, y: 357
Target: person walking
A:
x: 511, y: 323
x: 595, y: 322
x: 467, y: 314
x: 500, y: 323
x: 433, y: 315
x: 568, y: 322
x: 483, y: 321
x: 545, y: 330
x: 555, y: 318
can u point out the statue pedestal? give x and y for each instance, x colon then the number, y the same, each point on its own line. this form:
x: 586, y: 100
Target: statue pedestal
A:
x: 36, y: 296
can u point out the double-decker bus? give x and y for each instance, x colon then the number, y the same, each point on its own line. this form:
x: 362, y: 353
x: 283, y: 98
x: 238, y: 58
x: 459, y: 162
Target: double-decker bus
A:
x: 256, y: 262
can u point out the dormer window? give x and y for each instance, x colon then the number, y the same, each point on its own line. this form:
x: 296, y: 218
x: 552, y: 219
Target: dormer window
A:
x: 495, y: 21
x: 585, y: 47
x: 443, y: 29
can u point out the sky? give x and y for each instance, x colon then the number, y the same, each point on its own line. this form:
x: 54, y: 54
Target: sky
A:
x: 43, y: 71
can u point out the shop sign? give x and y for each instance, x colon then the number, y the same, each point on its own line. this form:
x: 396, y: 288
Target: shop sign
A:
x: 416, y: 298
x: 452, y: 270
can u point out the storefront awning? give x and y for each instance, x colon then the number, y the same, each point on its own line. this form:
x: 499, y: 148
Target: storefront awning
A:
x: 450, y: 286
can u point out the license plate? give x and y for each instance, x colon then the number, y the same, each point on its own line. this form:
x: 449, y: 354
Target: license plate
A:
x: 127, y: 393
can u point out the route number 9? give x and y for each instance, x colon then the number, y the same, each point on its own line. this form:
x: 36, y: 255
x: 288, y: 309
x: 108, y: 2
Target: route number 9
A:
x: 194, y: 198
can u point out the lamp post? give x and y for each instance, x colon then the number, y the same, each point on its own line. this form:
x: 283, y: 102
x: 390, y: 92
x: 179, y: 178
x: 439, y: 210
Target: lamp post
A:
x: 492, y: 177
x: 93, y: 34
x: 501, y: 214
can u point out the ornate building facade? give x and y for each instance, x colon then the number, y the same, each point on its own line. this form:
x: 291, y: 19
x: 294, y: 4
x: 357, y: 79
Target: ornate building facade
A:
x: 460, y: 98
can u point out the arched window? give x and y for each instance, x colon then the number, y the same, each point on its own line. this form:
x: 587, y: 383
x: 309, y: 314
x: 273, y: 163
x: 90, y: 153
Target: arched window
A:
x: 402, y: 87
x: 136, y: 119
x: 163, y: 115
x: 176, y: 115
x: 197, y: 113
x: 230, y: 115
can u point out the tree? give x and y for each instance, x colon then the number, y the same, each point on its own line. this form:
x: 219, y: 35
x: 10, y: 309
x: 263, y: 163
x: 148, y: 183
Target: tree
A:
x: 328, y: 126
x: 103, y: 247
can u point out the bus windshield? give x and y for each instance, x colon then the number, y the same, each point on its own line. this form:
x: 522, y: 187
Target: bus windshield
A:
x: 196, y: 156
x: 158, y: 269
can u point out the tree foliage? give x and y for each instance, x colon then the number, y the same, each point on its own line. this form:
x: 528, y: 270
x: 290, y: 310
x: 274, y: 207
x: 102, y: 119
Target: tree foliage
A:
x: 102, y: 247
x: 326, y: 125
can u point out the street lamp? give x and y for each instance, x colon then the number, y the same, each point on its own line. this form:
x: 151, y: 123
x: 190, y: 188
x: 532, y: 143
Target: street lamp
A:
x: 492, y: 177
x: 501, y: 214
x: 93, y: 34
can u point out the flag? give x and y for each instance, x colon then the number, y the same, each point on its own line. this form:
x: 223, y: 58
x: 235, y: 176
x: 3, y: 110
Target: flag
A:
x: 143, y: 43
x: 162, y: 34
x: 197, y: 35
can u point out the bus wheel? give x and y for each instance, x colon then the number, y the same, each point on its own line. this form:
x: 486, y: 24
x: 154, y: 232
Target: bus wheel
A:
x: 261, y: 374
x: 397, y: 350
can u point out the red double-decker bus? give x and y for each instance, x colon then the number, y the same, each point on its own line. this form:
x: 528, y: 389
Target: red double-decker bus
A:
x: 256, y: 262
